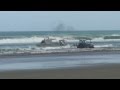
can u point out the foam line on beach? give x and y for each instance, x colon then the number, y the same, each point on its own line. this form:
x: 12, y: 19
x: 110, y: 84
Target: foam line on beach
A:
x: 59, y: 50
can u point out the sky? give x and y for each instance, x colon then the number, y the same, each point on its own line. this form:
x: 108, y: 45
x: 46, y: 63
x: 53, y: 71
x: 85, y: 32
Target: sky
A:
x: 48, y: 20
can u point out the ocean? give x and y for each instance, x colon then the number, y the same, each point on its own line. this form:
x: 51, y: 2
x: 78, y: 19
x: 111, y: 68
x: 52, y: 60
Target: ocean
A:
x: 21, y: 41
x: 12, y: 43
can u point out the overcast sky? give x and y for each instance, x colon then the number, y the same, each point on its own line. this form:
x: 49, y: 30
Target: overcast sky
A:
x: 47, y: 20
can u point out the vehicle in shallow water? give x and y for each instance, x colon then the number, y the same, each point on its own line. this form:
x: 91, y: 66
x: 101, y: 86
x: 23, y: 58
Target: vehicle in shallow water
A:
x: 84, y: 44
x: 50, y: 43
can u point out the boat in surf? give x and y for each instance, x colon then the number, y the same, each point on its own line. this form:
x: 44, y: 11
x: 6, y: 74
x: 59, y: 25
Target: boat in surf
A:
x: 84, y: 44
x: 50, y: 43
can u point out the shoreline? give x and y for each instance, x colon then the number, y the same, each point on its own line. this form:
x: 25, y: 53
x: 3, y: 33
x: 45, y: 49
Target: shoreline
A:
x: 65, y: 52
x: 101, y: 71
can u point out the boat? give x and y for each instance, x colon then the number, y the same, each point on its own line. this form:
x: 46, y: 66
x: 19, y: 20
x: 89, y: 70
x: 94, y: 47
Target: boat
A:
x: 84, y: 44
x: 50, y: 43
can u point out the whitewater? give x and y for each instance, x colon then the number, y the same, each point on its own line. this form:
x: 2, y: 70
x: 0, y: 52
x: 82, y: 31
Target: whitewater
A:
x: 26, y: 42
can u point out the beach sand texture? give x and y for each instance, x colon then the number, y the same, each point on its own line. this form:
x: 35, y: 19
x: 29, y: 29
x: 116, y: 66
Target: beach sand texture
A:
x: 105, y: 65
x: 99, y: 72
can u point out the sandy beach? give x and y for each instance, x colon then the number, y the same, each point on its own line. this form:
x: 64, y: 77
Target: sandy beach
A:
x: 82, y: 65
x: 100, y: 72
x: 59, y: 45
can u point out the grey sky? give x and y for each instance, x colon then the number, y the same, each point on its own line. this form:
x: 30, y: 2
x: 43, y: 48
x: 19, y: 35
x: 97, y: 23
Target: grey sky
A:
x: 47, y: 20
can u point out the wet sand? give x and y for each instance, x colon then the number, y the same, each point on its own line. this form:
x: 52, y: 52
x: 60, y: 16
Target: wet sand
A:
x: 103, y: 71
x: 111, y: 71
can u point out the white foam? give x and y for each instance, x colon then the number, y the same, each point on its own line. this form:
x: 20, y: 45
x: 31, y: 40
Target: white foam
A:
x: 98, y: 39
x: 21, y: 40
x: 115, y: 35
x: 26, y: 40
x: 35, y: 39
x: 51, y: 48
x: 108, y: 45
x: 101, y: 39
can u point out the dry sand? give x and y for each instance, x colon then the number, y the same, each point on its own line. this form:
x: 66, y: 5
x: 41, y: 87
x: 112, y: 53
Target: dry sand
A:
x: 96, y: 72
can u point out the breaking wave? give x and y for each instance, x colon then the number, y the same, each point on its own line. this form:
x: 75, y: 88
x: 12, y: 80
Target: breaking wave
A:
x: 25, y: 40
x: 20, y: 40
x: 69, y: 39
x: 107, y: 45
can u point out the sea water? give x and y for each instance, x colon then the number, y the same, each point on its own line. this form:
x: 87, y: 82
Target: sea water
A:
x: 25, y: 41
x: 28, y: 40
